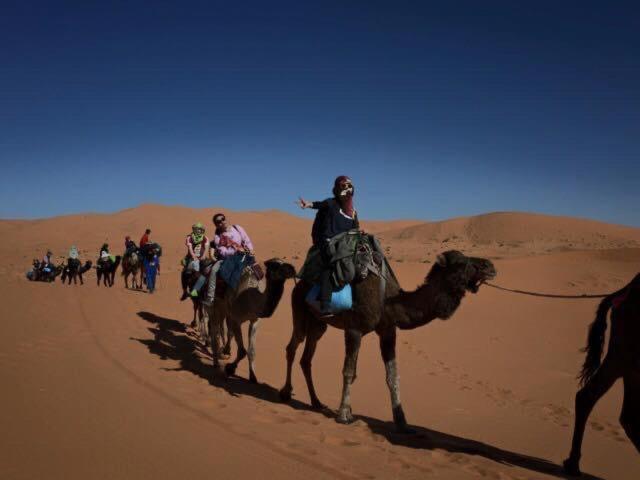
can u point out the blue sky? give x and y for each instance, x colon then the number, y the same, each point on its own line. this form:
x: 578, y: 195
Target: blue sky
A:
x: 435, y: 110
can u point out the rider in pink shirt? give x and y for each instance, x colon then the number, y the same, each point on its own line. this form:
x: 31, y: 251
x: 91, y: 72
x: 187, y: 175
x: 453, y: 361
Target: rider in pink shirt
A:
x: 231, y: 240
x: 228, y: 241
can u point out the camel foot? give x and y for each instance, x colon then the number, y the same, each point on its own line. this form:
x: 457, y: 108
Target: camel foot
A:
x: 285, y: 394
x: 404, y: 429
x: 230, y: 369
x: 344, y: 416
x: 571, y: 467
x: 318, y: 405
x: 217, y: 368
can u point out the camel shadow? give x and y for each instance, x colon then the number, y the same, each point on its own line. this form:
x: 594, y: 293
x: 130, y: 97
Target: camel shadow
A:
x: 173, y: 340
x: 428, y: 439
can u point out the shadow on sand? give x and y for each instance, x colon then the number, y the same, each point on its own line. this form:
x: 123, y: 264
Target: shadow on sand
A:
x: 173, y: 340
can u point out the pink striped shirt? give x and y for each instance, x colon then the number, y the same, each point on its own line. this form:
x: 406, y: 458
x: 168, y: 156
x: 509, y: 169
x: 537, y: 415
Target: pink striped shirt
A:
x: 226, y: 242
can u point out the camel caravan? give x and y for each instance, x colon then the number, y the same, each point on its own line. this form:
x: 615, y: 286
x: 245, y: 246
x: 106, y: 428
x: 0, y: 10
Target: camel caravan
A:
x: 141, y: 263
x: 347, y: 283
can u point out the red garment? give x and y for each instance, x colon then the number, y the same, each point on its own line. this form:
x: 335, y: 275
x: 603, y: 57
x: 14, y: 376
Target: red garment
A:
x: 144, y: 240
x: 346, y: 202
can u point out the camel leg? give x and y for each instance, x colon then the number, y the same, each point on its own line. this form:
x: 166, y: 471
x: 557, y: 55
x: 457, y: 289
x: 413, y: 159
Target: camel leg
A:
x: 297, y: 337
x: 251, y: 353
x: 230, y: 368
x: 352, y: 339
x: 214, y: 335
x: 227, y: 345
x: 630, y: 416
x: 201, y: 324
x: 316, y: 330
x: 586, y: 398
x: 388, y: 351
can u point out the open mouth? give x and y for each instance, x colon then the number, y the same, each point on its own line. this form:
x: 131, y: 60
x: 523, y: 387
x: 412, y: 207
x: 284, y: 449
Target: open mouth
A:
x: 474, y: 285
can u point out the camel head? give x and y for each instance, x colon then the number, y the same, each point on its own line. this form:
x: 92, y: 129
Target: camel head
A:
x: 456, y: 273
x: 279, y: 270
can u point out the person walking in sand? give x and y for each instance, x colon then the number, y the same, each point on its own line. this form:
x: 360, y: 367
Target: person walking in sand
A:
x: 151, y: 262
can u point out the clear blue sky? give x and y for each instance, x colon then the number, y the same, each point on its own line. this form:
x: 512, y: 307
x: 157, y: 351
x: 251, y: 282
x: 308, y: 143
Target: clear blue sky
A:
x: 434, y: 110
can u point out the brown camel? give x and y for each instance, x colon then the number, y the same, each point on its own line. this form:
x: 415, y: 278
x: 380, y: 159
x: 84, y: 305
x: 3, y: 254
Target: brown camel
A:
x: 248, y: 303
x: 131, y: 265
x: 622, y: 361
x: 439, y: 296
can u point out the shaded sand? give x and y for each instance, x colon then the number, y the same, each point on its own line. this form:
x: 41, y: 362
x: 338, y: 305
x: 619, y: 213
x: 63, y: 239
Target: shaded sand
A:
x: 109, y: 383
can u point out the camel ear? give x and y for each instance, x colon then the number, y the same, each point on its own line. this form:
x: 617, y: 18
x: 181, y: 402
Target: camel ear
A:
x: 441, y: 260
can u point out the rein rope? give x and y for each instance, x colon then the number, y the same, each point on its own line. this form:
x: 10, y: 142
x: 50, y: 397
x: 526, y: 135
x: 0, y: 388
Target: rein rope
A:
x: 548, y: 295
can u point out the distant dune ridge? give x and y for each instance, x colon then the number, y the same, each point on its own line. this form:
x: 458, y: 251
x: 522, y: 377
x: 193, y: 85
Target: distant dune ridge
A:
x: 111, y: 383
x: 506, y: 233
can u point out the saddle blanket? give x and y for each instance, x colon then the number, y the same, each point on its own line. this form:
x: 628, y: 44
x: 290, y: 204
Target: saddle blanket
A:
x: 341, y: 300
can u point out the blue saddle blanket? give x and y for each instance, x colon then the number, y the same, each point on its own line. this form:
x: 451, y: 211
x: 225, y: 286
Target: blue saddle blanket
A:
x: 233, y: 266
x: 341, y: 300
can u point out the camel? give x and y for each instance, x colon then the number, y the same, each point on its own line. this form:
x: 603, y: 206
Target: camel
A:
x: 106, y: 270
x: 248, y: 303
x: 382, y: 310
x: 74, y: 270
x: 622, y: 360
x: 38, y: 274
x: 131, y: 265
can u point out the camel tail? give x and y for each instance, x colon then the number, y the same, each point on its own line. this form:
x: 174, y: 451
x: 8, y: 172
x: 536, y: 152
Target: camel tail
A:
x: 595, y: 341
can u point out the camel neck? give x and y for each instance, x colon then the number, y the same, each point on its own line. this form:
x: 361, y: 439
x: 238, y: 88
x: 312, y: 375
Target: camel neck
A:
x: 410, y: 310
x: 272, y: 296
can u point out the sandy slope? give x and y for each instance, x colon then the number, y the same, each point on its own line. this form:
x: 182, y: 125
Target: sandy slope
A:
x: 109, y: 383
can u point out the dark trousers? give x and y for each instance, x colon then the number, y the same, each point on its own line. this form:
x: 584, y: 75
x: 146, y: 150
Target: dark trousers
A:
x: 325, y: 277
x: 151, y: 269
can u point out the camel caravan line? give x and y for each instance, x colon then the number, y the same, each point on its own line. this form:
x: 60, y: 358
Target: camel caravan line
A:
x: 378, y: 304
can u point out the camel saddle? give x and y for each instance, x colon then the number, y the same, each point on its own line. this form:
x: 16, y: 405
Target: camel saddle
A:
x: 353, y: 255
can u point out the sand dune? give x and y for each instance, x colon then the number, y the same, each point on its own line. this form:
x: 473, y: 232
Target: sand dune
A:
x: 109, y: 383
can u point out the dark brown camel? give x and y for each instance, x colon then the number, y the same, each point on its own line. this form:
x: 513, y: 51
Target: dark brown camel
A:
x: 439, y: 296
x: 622, y: 361
x: 73, y: 270
x: 106, y: 270
x: 249, y: 303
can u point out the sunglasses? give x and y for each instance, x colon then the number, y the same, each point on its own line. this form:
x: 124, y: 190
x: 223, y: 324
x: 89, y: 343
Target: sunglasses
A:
x: 218, y: 221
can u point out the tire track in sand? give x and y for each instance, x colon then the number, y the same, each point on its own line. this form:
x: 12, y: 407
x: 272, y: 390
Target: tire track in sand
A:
x: 228, y: 427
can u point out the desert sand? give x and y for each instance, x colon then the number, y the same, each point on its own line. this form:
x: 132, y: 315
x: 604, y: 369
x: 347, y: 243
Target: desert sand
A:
x: 107, y: 383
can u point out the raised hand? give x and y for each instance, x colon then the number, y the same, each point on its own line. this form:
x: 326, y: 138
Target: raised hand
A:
x: 302, y: 203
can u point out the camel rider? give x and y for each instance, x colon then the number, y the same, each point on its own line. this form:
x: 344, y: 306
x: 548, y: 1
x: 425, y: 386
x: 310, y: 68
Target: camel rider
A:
x: 129, y: 246
x: 335, y: 215
x: 73, y: 253
x: 145, y: 238
x: 104, y: 254
x: 228, y: 241
x: 47, y: 260
x: 197, y: 248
